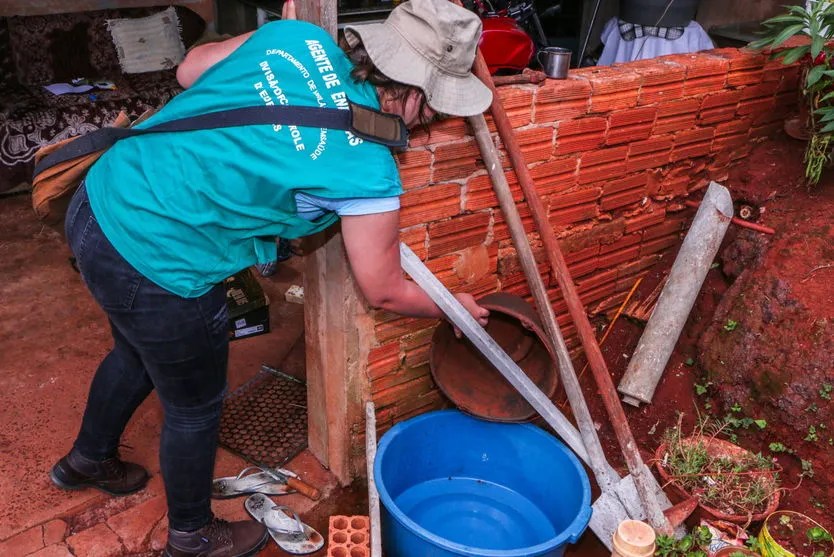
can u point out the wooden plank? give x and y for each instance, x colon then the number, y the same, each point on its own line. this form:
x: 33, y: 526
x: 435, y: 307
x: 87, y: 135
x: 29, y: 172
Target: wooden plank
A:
x: 38, y: 7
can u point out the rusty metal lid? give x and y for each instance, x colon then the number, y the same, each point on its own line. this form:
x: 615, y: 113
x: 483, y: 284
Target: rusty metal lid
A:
x: 473, y: 384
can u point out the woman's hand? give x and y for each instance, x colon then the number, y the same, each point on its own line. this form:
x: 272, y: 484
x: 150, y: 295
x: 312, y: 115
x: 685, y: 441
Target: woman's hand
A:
x: 480, y: 314
x: 288, y: 10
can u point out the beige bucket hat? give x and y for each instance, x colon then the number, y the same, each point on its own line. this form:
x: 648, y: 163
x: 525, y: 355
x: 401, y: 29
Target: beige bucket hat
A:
x: 430, y: 44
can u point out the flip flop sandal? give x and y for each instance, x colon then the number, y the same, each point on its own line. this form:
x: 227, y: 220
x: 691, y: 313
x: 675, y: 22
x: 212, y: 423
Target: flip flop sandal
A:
x: 284, y: 525
x: 243, y: 484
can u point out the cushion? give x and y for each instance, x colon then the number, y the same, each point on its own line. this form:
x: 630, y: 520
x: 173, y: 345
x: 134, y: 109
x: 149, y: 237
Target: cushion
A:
x: 148, y: 44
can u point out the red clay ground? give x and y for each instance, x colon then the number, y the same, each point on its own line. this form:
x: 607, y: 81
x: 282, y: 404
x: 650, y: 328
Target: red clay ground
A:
x: 53, y: 336
x: 795, y: 340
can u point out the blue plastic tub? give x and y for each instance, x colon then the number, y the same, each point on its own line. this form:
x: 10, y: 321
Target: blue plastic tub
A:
x: 454, y: 485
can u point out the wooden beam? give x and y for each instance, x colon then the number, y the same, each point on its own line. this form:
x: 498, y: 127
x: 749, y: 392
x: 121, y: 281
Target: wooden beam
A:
x: 334, y: 340
x: 320, y: 12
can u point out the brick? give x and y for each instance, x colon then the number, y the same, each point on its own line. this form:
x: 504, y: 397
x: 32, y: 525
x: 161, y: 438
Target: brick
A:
x: 703, y: 85
x: 627, y: 183
x: 699, y: 64
x: 626, y: 126
x: 562, y: 99
x: 390, y: 326
x: 577, y: 270
x: 663, y: 229
x: 635, y: 224
x: 611, y: 88
x: 414, y: 388
x: 741, y: 125
x: 402, y: 375
x: 659, y: 245
x: 757, y: 109
x: 458, y: 233
x: 450, y: 129
x: 745, y: 67
x: 54, y: 531
x: 384, y: 359
x: 628, y: 270
x: 415, y: 168
x: 134, y: 526
x: 597, y: 280
x: 428, y: 204
x: 659, y: 80
x: 456, y: 160
x: 415, y: 238
x: 730, y: 143
x: 555, y: 176
x: 480, y: 195
x: 98, y: 541
x: 719, y: 107
x: 652, y: 153
x: 24, y: 543
x: 562, y: 201
x: 584, y: 134
x: 676, y: 115
x: 759, y: 91
x: 615, y: 258
x: 349, y: 536
x: 632, y: 116
x: 597, y: 293
x: 501, y: 231
x: 790, y: 79
x: 536, y: 143
x: 622, y: 199
x: 582, y: 254
x: 692, y: 143
x: 605, y: 164
x: 573, y: 215
x: 622, y: 243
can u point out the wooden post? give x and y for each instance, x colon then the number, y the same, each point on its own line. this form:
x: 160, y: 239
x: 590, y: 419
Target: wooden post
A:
x: 333, y: 338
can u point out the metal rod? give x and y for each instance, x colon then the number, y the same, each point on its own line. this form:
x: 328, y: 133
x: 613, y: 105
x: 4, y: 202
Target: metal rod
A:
x: 588, y: 34
x: 373, y: 494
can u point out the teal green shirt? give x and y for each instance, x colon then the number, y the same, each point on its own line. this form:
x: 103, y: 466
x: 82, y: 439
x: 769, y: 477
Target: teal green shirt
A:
x: 188, y: 209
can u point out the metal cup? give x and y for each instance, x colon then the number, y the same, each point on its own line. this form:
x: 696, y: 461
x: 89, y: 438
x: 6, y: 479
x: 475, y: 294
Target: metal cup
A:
x: 556, y: 61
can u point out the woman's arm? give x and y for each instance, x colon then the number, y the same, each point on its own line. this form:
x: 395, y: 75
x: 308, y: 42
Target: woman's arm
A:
x: 205, y: 56
x: 373, y: 249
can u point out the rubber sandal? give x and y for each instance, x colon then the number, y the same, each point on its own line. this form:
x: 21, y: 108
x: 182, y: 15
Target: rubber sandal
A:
x: 243, y: 484
x: 284, y: 525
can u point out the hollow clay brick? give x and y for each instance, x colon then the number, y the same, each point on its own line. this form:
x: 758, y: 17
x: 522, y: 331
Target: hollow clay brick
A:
x: 556, y: 175
x: 415, y: 168
x: 634, y: 224
x: 630, y: 125
x: 395, y: 394
x: 480, y: 195
x: 628, y: 134
x: 622, y: 243
x: 450, y: 129
x: 622, y: 199
x: 741, y: 125
x: 627, y: 183
x: 415, y: 238
x: 562, y: 201
x: 596, y: 281
x: 349, y: 536
x: 656, y: 246
x: 383, y: 359
x: 401, y: 376
x: 430, y: 203
x: 458, y: 233
x: 573, y: 215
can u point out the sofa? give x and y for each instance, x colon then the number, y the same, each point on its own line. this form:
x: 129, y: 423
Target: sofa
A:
x: 40, y: 50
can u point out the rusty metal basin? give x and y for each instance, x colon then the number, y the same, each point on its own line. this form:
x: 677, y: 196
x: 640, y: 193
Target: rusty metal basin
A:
x: 473, y: 384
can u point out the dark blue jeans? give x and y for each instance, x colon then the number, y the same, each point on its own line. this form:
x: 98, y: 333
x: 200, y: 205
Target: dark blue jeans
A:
x: 178, y: 346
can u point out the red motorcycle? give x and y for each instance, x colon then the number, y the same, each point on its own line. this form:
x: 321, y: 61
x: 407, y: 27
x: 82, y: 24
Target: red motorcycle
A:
x: 507, y: 41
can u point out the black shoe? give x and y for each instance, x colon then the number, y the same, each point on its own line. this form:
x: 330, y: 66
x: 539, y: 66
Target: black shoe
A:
x: 218, y: 539
x: 111, y: 476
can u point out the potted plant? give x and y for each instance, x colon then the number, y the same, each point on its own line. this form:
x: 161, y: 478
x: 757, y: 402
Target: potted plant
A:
x: 815, y: 22
x: 789, y: 534
x: 729, y: 482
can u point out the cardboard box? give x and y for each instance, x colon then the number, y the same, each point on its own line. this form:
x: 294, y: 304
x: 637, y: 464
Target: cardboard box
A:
x: 253, y: 323
x: 248, y: 306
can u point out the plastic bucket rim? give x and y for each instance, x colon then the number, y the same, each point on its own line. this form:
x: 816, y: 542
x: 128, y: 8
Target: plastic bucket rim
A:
x: 764, y: 533
x: 569, y: 534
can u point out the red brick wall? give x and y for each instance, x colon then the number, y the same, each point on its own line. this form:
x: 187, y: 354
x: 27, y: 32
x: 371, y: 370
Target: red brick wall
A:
x: 613, y: 151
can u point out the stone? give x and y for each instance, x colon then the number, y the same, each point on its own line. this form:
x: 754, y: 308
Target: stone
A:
x: 98, y: 541
x: 135, y: 525
x: 24, y: 543
x: 159, y: 536
x: 54, y: 532
x: 295, y: 294
x: 54, y: 550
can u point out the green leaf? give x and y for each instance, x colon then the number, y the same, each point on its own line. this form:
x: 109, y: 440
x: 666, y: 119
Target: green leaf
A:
x: 826, y: 97
x: 828, y: 116
x: 786, y: 18
x: 690, y: 362
x: 814, y: 75
x: 761, y: 423
x: 794, y: 54
x: 828, y: 128
x: 816, y: 46
x: 787, y: 33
